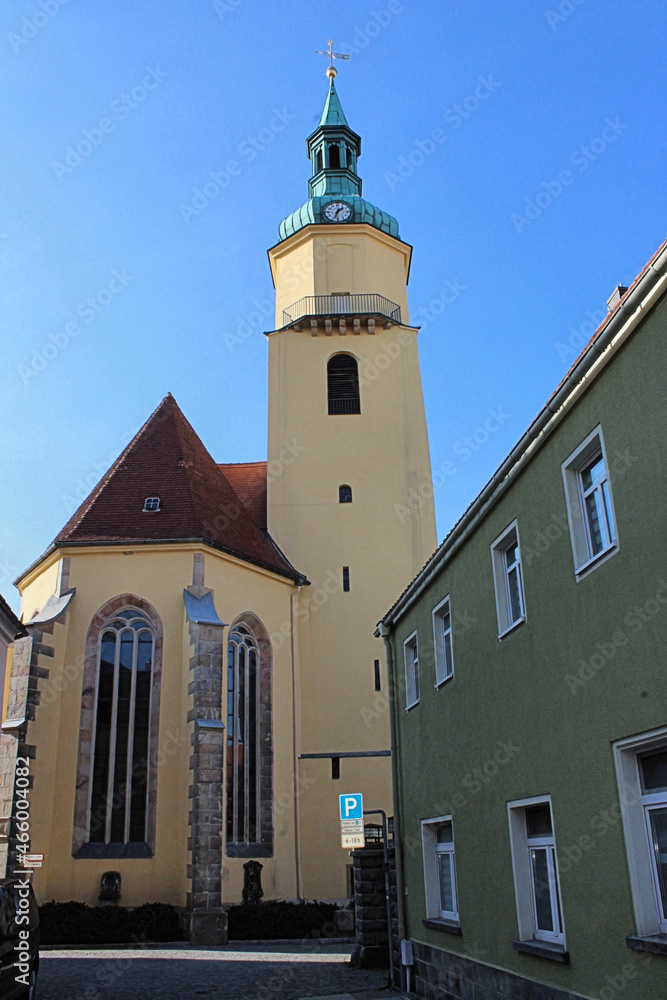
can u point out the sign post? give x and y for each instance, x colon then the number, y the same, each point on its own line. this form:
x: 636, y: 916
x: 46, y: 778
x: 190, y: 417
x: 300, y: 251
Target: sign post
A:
x: 351, y: 821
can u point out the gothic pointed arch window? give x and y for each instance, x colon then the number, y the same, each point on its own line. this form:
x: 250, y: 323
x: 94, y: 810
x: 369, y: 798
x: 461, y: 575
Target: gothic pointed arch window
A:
x: 249, y: 762
x: 343, y: 384
x: 116, y: 774
x: 118, y: 800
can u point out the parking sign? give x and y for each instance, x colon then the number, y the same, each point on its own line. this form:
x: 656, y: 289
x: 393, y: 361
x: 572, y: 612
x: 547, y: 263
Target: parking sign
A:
x: 351, y: 806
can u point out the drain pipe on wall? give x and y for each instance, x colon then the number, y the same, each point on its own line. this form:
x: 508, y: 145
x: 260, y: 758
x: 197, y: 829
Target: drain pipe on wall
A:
x: 383, y: 632
x: 295, y: 731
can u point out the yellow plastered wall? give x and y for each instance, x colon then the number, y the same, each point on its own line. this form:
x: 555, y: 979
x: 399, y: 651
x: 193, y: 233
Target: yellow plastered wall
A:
x: 158, y: 575
x: 384, y: 536
x: 44, y: 584
x: 358, y: 259
x: 324, y: 867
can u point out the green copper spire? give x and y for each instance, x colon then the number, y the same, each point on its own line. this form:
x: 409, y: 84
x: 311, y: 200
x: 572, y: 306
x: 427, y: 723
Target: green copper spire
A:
x: 333, y: 112
x: 333, y: 150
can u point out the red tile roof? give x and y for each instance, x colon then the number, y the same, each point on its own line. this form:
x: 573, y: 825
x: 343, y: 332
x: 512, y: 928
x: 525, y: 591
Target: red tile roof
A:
x: 166, y: 459
x: 249, y: 482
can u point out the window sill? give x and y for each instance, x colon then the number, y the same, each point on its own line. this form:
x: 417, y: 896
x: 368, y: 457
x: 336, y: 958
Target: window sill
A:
x: 655, y: 944
x: 248, y: 851
x: 585, y: 567
x: 542, y: 949
x: 97, y: 850
x: 414, y: 704
x: 440, y: 924
x: 444, y: 680
x: 514, y: 625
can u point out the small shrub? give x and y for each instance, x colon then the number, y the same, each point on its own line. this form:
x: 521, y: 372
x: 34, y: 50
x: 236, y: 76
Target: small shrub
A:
x: 272, y: 920
x: 76, y: 923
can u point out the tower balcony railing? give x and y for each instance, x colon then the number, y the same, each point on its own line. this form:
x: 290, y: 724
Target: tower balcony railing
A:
x: 341, y: 307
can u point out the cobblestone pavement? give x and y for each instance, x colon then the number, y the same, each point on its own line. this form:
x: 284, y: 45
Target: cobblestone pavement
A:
x: 242, y: 972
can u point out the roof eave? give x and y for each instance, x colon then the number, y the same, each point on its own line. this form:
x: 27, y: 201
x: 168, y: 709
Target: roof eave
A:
x: 298, y: 578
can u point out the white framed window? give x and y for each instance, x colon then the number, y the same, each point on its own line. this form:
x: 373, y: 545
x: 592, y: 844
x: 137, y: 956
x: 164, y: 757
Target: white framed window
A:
x: 590, y: 508
x: 440, y: 869
x: 442, y: 642
x: 508, y: 579
x: 535, y: 864
x: 653, y: 778
x: 411, y: 655
x: 641, y: 770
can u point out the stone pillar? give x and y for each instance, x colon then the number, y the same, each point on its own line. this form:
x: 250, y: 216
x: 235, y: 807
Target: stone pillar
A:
x: 208, y: 921
x: 22, y: 702
x: 370, y: 907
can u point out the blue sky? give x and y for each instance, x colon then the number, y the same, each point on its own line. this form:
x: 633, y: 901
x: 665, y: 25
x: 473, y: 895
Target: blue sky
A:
x: 541, y: 189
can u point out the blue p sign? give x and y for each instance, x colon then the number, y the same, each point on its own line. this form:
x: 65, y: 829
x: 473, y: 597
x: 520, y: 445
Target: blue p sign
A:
x: 351, y: 806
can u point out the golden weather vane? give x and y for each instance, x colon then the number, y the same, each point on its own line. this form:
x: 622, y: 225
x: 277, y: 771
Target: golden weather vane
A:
x: 331, y: 69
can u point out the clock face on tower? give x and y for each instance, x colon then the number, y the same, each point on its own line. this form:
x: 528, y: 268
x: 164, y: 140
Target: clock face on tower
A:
x: 337, y: 211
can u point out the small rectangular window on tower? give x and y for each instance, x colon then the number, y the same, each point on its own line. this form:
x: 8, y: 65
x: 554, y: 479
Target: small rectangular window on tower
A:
x: 378, y: 682
x: 346, y: 578
x: 335, y: 767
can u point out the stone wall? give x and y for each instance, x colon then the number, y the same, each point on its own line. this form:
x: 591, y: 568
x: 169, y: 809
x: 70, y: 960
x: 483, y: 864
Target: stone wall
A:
x: 208, y: 921
x: 439, y: 975
x: 370, y: 908
x: 22, y: 703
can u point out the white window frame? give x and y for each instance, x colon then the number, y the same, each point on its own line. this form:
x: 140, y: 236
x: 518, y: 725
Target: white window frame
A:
x: 582, y: 551
x: 524, y: 891
x: 501, y: 574
x: 411, y: 660
x: 431, y: 851
x: 442, y: 641
x: 635, y: 806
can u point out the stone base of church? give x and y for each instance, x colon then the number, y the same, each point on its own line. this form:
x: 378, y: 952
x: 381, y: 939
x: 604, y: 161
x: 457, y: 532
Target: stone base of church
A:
x: 208, y: 927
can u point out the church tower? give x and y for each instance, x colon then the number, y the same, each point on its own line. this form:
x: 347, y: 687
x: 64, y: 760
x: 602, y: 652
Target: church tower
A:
x: 349, y: 479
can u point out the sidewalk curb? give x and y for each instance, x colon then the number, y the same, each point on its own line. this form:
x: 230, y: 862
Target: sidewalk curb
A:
x: 185, y: 945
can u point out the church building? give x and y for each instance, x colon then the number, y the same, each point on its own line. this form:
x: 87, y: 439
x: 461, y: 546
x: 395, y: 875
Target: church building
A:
x: 200, y: 679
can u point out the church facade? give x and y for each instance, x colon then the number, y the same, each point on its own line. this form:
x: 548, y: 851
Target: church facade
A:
x: 200, y: 679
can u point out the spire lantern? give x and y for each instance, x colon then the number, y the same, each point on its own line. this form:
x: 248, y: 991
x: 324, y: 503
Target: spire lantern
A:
x: 333, y: 150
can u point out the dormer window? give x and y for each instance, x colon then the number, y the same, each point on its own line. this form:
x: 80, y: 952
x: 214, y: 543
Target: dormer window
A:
x: 151, y: 505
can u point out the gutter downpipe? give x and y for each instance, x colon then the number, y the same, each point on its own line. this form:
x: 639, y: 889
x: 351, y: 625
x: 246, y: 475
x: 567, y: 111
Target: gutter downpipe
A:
x: 383, y: 632
x: 295, y: 731
x: 618, y: 329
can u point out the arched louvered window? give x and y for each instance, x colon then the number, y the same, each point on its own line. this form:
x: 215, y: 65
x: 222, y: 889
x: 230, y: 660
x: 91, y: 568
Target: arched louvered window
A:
x: 318, y: 161
x: 334, y: 157
x: 344, y: 494
x: 119, y: 792
x: 343, y: 384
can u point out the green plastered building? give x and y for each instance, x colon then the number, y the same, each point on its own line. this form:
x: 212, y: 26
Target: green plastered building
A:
x: 529, y: 713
